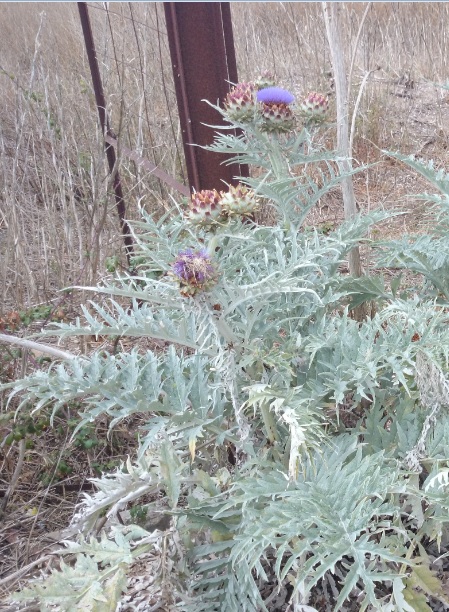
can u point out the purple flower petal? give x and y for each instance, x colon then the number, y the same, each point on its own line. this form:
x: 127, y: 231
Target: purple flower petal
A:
x: 194, y: 267
x: 275, y: 95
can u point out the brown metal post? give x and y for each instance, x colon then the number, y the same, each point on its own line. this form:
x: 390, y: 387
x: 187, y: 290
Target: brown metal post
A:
x: 105, y: 126
x: 203, y: 60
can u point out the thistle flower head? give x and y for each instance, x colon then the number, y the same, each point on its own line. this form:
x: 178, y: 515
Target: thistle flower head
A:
x: 265, y: 79
x: 194, y: 271
x: 314, y: 107
x: 277, y: 118
x: 240, y: 102
x: 275, y: 95
x: 239, y: 200
x: 205, y: 208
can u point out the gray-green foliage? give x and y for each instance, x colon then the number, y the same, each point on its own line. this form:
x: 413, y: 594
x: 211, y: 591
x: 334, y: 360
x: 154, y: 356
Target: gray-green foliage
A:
x: 286, y: 437
x: 285, y: 178
x: 426, y: 254
x: 98, y: 578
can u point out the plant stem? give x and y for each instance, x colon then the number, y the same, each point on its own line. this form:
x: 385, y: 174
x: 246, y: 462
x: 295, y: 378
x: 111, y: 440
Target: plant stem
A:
x: 36, y: 346
x: 331, y: 19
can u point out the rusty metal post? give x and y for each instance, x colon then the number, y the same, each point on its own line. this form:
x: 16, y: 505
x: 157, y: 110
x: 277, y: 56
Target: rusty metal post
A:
x: 203, y: 60
x: 105, y: 126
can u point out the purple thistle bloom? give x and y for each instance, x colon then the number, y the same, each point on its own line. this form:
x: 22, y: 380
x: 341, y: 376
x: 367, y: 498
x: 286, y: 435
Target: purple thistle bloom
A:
x: 194, y: 268
x: 275, y: 95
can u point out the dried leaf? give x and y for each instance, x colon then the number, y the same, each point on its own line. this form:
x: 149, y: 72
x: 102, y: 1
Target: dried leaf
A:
x: 423, y: 577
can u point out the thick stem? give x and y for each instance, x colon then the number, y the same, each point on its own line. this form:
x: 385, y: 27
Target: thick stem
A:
x: 271, y: 429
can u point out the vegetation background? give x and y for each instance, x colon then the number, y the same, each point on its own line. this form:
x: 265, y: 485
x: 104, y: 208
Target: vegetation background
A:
x: 57, y: 219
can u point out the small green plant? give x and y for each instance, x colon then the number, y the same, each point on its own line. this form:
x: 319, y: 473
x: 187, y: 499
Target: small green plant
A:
x: 112, y: 263
x: 34, y: 314
x: 15, y: 319
x: 139, y: 514
x: 28, y: 429
x: 85, y: 437
x: 103, y: 467
x: 54, y: 471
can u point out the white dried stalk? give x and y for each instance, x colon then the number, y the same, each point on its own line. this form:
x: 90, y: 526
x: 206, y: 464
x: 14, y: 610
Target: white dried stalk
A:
x: 229, y: 369
x: 337, y: 56
x: 36, y: 346
x: 434, y: 394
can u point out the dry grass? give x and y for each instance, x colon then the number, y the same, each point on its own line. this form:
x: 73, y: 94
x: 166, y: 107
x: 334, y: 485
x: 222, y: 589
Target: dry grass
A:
x: 57, y: 216
x: 58, y: 222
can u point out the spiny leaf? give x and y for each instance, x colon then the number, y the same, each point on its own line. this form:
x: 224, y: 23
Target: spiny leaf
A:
x: 405, y: 597
x: 65, y: 587
x: 416, y: 601
x: 422, y: 577
x: 112, y: 589
x: 104, y: 551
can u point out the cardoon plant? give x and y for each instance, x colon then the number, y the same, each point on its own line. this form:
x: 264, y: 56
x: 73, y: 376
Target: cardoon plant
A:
x: 292, y: 448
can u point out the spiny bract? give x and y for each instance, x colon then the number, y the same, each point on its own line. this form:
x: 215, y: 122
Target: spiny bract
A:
x: 239, y: 200
x: 315, y: 106
x: 205, y: 208
x: 240, y: 103
x: 277, y: 118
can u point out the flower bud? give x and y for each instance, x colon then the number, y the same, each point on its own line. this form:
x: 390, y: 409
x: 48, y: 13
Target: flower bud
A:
x: 314, y: 107
x: 239, y: 200
x: 265, y: 79
x: 205, y: 208
x: 240, y: 103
